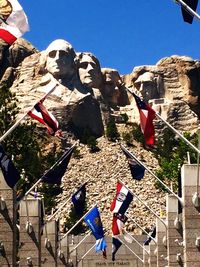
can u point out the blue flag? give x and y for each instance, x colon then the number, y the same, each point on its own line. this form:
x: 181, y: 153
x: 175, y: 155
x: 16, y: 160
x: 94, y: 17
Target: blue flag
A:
x: 54, y: 175
x: 10, y: 173
x: 78, y: 200
x: 116, y: 244
x: 93, y: 220
x: 137, y: 170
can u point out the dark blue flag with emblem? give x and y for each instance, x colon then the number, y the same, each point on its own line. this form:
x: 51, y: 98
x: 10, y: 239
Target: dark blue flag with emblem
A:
x: 55, y: 173
x: 78, y: 200
x: 10, y: 173
x: 93, y: 221
x: 149, y: 238
x: 187, y: 16
x: 116, y: 244
x: 137, y: 170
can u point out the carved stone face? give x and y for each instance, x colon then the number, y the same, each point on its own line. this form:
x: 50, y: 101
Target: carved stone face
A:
x: 60, y: 59
x: 89, y: 71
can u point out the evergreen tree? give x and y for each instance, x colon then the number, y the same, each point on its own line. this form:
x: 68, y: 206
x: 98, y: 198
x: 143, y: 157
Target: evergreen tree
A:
x: 111, y: 130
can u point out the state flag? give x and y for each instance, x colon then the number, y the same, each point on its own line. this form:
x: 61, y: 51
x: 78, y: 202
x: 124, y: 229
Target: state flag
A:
x: 93, y: 220
x: 122, y: 199
x: 41, y: 114
x: 55, y: 173
x: 116, y: 244
x: 147, y: 115
x: 118, y: 223
x: 79, y: 199
x: 13, y: 21
x: 137, y: 170
x: 10, y: 173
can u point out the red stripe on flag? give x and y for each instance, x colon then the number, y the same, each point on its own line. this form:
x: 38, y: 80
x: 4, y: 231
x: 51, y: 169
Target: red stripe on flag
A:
x: 7, y: 36
x: 119, y: 186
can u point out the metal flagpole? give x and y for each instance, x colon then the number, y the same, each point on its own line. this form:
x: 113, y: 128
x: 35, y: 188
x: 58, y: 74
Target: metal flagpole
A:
x: 143, y: 230
x: 189, y: 9
x: 56, y: 163
x: 133, y: 156
x: 131, y: 250
x: 80, y: 242
x: 152, y: 211
x: 23, y: 117
x: 179, y: 134
x: 53, y: 215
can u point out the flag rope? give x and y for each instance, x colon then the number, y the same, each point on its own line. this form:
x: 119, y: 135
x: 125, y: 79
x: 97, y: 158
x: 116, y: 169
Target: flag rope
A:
x: 23, y: 117
x: 133, y: 156
x: 188, y: 9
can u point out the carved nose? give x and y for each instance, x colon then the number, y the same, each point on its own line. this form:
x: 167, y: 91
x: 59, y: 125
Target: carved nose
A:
x: 89, y: 67
x: 56, y: 55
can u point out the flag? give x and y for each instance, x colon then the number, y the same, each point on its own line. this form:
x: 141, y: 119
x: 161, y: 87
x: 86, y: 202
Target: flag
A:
x: 10, y: 173
x: 188, y: 17
x: 137, y: 170
x: 118, y: 223
x: 55, y: 174
x: 41, y: 114
x: 147, y: 115
x: 13, y: 21
x: 152, y: 234
x: 116, y: 244
x: 93, y: 220
x: 122, y: 199
x: 78, y: 200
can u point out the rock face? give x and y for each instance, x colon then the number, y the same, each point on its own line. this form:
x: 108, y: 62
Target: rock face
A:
x: 86, y: 96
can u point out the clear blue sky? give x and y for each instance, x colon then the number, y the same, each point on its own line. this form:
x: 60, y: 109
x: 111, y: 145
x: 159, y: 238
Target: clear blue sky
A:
x: 122, y: 34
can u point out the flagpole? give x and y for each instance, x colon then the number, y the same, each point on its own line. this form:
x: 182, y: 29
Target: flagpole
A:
x: 136, y: 241
x: 80, y: 242
x: 144, y: 204
x: 178, y: 133
x: 54, y: 165
x: 69, y: 231
x: 53, y: 215
x: 189, y: 9
x: 23, y: 117
x: 131, y: 250
x: 143, y: 230
x: 133, y: 156
x: 86, y: 253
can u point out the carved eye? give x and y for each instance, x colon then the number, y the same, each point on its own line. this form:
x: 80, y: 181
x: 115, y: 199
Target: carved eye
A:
x: 83, y: 65
x: 5, y: 9
x: 52, y: 54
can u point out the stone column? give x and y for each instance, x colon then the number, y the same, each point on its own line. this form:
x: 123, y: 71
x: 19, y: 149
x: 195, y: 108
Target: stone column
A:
x: 174, y: 233
x: 8, y: 240
x: 161, y: 235
x: 49, y: 244
x: 145, y: 256
x: 30, y: 232
x: 191, y: 217
x: 152, y: 255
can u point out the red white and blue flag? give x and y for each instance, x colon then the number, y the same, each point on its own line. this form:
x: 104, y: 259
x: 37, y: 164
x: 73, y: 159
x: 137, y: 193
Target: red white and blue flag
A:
x: 147, y: 115
x: 118, y: 223
x: 41, y: 114
x: 13, y: 21
x: 122, y: 199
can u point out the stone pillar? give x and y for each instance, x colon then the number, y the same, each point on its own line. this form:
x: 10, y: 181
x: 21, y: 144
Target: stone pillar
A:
x: 152, y: 255
x: 8, y: 240
x: 145, y: 256
x: 174, y: 233
x: 30, y: 232
x: 161, y: 235
x: 191, y: 217
x: 49, y: 244
x: 63, y: 252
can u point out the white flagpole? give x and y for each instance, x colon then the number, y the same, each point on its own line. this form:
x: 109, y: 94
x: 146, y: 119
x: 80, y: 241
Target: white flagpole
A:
x: 131, y: 250
x: 24, y: 116
x: 189, y: 9
x: 131, y: 155
x: 152, y: 211
x: 143, y: 230
x: 80, y: 242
